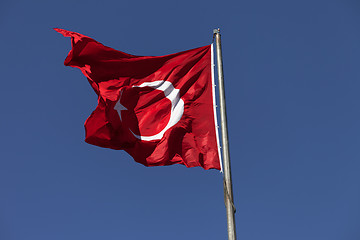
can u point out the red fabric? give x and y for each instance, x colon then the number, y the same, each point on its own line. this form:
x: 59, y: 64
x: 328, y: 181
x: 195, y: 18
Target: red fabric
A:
x: 127, y: 110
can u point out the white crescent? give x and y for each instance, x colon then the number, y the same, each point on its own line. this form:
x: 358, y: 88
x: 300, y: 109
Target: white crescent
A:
x: 177, y: 106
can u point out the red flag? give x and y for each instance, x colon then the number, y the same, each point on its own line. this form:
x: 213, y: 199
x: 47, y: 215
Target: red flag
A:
x: 158, y: 109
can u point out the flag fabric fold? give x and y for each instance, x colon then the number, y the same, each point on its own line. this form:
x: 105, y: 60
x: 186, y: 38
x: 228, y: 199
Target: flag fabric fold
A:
x: 158, y: 109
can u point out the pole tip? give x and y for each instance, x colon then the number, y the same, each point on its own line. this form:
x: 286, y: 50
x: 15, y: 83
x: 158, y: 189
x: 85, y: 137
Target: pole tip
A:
x: 216, y: 30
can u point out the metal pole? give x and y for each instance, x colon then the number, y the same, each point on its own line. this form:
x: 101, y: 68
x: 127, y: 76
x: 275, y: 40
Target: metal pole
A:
x: 228, y: 194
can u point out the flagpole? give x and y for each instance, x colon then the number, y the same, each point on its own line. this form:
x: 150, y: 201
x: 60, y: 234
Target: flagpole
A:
x: 228, y: 194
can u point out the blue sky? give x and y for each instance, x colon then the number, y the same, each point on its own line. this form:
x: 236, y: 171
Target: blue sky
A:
x: 292, y: 89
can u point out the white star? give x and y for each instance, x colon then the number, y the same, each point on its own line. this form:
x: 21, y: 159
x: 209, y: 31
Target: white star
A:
x: 119, y: 107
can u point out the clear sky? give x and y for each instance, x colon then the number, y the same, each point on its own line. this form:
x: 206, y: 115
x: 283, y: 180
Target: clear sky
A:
x: 292, y: 89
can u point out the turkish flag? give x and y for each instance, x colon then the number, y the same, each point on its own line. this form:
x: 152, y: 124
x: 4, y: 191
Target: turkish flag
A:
x: 160, y: 109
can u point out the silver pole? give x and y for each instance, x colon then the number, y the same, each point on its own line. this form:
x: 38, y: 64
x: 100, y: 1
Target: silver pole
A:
x: 228, y: 194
